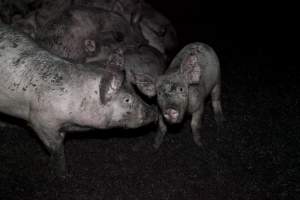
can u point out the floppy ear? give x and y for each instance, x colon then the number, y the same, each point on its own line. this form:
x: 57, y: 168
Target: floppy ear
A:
x: 144, y: 82
x: 109, y: 86
x: 89, y: 46
x: 190, y: 67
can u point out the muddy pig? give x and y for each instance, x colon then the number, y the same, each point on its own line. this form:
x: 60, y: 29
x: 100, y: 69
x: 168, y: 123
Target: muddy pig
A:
x: 156, y: 28
x: 81, y: 33
x: 192, y: 75
x: 55, y: 96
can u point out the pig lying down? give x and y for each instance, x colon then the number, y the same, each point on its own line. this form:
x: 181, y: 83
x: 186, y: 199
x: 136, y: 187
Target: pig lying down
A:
x: 56, y: 96
x: 192, y: 75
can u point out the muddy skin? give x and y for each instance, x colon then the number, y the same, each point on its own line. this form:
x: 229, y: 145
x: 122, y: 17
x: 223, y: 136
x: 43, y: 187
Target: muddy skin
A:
x: 193, y: 75
x: 55, y: 96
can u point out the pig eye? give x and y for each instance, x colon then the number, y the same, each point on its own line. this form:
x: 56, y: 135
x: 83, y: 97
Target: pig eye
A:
x: 180, y: 89
x: 127, y: 100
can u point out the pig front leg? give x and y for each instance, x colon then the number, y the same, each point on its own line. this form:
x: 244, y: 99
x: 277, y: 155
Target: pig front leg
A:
x: 53, y: 141
x: 216, y: 105
x: 162, y: 129
x: 196, y: 124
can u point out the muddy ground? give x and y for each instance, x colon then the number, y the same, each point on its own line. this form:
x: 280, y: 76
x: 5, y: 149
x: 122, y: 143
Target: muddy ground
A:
x: 255, y: 156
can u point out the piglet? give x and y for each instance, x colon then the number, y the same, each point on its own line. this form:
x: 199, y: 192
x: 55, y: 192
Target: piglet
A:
x: 193, y: 75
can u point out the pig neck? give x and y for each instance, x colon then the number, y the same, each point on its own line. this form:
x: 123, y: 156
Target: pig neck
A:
x: 88, y: 111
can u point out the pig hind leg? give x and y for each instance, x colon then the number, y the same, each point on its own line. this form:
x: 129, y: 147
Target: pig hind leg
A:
x: 216, y: 104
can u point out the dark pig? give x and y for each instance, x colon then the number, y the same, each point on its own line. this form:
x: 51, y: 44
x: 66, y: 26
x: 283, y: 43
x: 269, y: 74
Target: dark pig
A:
x: 56, y: 96
x: 156, y: 28
x: 81, y: 33
x: 192, y: 75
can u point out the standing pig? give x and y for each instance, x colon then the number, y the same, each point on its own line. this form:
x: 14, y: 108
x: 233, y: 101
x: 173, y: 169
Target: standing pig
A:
x: 192, y: 75
x: 56, y: 96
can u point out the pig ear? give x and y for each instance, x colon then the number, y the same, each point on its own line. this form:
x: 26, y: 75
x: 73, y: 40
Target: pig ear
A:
x: 144, y: 82
x: 109, y: 86
x: 191, y: 69
x: 90, y: 45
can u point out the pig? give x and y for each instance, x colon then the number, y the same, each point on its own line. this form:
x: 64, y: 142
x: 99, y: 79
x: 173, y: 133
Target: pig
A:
x: 41, y: 13
x: 193, y: 74
x: 158, y: 30
x: 155, y: 27
x: 139, y: 65
x: 56, y: 96
x: 142, y: 64
x: 81, y: 33
x: 77, y: 41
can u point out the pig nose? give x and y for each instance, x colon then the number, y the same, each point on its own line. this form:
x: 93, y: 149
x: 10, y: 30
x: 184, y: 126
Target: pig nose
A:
x: 171, y: 114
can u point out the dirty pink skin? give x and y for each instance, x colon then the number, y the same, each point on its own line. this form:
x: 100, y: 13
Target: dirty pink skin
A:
x: 193, y: 75
x: 55, y: 96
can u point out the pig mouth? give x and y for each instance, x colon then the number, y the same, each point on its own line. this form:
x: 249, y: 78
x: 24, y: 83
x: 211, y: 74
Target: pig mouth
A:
x: 171, y: 115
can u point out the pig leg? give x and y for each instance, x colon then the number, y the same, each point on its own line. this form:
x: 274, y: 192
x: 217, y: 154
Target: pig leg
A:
x: 196, y: 123
x: 161, y: 133
x: 53, y: 140
x: 216, y: 104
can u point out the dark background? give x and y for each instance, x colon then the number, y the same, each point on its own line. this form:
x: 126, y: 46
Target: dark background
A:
x: 255, y: 156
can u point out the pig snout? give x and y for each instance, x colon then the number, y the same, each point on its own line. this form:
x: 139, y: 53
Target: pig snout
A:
x: 171, y: 115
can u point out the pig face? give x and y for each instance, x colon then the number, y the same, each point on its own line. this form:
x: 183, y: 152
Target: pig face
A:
x: 126, y: 109
x: 172, y: 96
x: 142, y: 64
x: 173, y: 88
x: 130, y: 112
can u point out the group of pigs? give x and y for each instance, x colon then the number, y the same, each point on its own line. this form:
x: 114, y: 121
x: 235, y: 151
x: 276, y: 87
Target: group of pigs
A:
x: 77, y: 64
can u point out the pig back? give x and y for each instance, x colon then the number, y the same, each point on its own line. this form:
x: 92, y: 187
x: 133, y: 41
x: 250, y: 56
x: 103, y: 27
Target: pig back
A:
x: 207, y: 60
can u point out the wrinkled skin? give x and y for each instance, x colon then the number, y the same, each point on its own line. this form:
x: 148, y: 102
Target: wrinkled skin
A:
x: 156, y: 28
x: 193, y: 75
x: 56, y: 96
